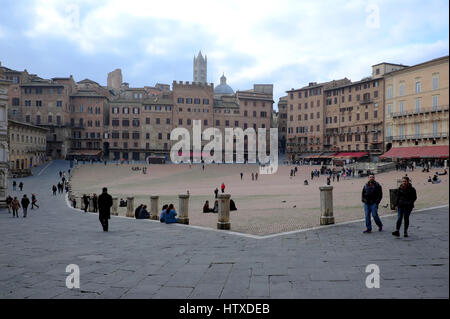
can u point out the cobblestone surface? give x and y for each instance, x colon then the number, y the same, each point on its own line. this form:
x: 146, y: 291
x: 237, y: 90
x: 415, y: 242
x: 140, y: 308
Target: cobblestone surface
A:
x: 143, y: 259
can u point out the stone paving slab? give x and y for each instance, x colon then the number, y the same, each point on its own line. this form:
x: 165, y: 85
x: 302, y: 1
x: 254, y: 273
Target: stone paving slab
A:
x: 139, y: 259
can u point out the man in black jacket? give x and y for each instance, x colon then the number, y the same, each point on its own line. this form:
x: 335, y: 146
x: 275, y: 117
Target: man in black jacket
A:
x: 372, y: 194
x: 25, y: 202
x: 104, y: 208
x: 406, y: 196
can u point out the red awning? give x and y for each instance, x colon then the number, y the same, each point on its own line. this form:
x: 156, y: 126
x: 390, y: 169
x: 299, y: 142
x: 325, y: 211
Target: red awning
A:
x: 417, y: 152
x: 350, y: 155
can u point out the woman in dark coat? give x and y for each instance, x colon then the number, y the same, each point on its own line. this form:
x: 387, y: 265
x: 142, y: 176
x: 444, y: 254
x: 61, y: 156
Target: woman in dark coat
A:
x: 406, y: 196
x: 104, y: 208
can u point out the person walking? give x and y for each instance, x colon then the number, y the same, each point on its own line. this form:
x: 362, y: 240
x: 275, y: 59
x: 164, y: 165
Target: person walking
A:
x: 14, y: 185
x: 222, y: 187
x: 86, y: 202
x: 253, y: 176
x: 21, y: 186
x: 15, y: 205
x: 242, y: 175
x: 256, y: 176
x: 54, y: 190
x: 25, y: 202
x: 338, y: 175
x: 60, y: 174
x: 104, y: 208
x: 95, y: 202
x: 216, y: 191
x: 406, y: 196
x: 33, y: 201
x: 9, y: 200
x: 371, y: 196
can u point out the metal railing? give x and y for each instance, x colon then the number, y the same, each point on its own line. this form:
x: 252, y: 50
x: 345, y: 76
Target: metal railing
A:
x: 416, y: 136
x: 434, y: 109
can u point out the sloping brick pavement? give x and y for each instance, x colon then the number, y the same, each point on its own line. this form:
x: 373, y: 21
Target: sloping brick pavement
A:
x: 142, y: 259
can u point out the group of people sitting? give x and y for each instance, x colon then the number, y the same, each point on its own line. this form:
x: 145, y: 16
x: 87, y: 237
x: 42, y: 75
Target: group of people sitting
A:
x: 436, y: 179
x: 122, y: 203
x: 215, y: 209
x: 168, y: 213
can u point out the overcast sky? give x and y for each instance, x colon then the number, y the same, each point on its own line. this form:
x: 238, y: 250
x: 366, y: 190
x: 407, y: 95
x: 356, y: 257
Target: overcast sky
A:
x: 285, y: 43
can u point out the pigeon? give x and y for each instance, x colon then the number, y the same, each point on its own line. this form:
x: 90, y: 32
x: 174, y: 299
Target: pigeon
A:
x: 294, y: 206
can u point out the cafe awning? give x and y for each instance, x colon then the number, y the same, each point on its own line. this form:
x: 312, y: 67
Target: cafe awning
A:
x: 417, y: 152
x: 350, y: 154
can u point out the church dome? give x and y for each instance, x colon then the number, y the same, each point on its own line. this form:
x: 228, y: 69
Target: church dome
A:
x: 223, y: 87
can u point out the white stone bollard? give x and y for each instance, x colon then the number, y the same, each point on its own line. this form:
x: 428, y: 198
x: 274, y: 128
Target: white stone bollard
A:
x: 130, y: 207
x: 154, y: 207
x: 326, y: 205
x: 183, y: 209
x: 115, y: 212
x: 224, y: 212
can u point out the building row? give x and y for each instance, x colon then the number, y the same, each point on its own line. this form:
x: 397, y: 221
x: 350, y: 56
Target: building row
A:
x: 393, y: 113
x: 86, y: 120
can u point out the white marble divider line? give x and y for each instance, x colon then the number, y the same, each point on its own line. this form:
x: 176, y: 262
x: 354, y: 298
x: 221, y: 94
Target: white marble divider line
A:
x: 226, y: 232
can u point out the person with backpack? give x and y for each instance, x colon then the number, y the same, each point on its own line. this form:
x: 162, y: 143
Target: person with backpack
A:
x: 406, y: 196
x: 371, y: 196
x: 25, y: 202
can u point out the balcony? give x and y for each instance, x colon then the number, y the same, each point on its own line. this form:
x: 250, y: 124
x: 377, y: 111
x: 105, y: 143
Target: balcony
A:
x: 416, y: 137
x: 422, y: 111
x: 366, y: 101
x: 84, y: 138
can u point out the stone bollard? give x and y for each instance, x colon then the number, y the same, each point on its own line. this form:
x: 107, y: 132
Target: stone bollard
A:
x: 154, y: 207
x: 91, y: 205
x: 326, y: 205
x: 130, y: 207
x: 114, y: 206
x: 183, y: 209
x: 224, y: 212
